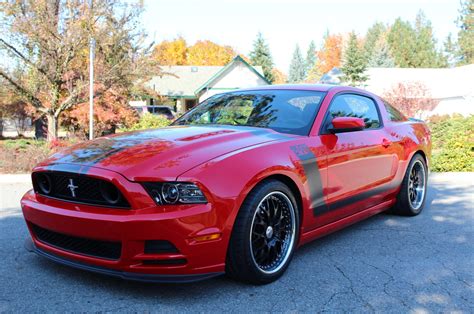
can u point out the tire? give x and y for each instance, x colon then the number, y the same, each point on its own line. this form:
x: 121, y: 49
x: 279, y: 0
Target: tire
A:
x: 411, y: 198
x: 260, y: 231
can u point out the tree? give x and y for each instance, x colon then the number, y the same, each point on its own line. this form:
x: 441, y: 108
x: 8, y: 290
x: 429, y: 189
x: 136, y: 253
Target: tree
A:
x: 49, y: 40
x: 297, y: 67
x: 279, y: 77
x: 329, y: 56
x: 451, y: 50
x: 411, y: 98
x: 355, y: 63
x: 414, y: 46
x: 466, y: 32
x: 374, y: 33
x: 205, y: 52
x: 402, y: 41
x: 110, y: 111
x: 310, y: 58
x: 171, y: 52
x: 426, y: 55
x: 380, y: 56
x: 261, y: 56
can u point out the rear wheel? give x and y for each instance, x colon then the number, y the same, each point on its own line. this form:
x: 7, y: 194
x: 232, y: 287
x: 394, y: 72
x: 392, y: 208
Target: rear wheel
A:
x: 412, y: 195
x: 264, y: 235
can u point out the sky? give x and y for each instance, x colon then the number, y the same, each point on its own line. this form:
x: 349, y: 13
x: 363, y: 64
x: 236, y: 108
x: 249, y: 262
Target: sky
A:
x: 285, y: 23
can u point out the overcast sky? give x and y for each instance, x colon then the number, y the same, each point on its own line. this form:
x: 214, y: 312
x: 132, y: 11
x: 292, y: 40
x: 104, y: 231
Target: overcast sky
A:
x: 285, y: 23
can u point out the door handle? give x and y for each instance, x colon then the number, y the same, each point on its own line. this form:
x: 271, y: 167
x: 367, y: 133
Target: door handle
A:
x: 386, y: 143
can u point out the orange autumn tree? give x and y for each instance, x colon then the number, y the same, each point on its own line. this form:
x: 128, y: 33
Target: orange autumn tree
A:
x: 329, y: 56
x: 203, y: 52
x: 172, y: 52
x: 206, y: 52
x: 279, y: 77
x: 110, y: 110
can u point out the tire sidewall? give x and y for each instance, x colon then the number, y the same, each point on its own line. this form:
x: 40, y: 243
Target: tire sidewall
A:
x: 416, y: 158
x: 261, y: 192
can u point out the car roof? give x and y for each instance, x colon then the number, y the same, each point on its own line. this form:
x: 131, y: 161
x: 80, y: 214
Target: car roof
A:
x: 308, y: 87
x: 313, y: 87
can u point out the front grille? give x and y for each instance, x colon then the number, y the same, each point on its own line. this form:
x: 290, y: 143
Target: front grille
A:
x: 83, y: 246
x: 78, y: 188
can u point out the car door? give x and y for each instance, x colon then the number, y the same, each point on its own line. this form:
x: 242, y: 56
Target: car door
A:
x: 358, y: 161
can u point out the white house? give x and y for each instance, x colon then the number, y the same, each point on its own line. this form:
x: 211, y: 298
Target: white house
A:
x: 186, y: 86
x: 453, y: 88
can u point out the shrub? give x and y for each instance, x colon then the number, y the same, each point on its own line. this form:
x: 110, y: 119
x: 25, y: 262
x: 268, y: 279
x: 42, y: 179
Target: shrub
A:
x: 453, y: 143
x: 20, y: 156
x: 150, y: 121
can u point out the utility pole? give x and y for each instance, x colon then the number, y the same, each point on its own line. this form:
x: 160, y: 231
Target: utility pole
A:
x: 91, y: 79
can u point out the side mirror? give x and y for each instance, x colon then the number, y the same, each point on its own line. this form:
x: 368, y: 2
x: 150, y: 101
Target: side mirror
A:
x: 346, y: 124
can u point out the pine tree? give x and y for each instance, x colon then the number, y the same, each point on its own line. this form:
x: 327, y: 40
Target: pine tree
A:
x: 466, y: 33
x: 426, y: 55
x: 451, y: 50
x: 297, y: 67
x: 372, y: 37
x: 402, y: 43
x: 381, y: 57
x: 414, y: 46
x: 261, y: 56
x: 355, y: 63
x: 310, y: 58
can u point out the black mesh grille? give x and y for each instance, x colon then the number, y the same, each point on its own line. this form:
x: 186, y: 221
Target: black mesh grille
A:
x: 95, y: 248
x: 87, y: 190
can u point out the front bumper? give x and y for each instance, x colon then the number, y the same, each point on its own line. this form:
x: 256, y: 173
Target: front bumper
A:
x: 132, y: 228
x: 30, y: 246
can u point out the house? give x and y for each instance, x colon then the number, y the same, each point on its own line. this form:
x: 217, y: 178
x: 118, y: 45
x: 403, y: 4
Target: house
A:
x: 453, y: 88
x: 183, y: 87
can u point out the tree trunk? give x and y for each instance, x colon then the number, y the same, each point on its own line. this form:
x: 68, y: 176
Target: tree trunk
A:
x: 52, y: 127
x: 40, y: 129
x: 1, y: 125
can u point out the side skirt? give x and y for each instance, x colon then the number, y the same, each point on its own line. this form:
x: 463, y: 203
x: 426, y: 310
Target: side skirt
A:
x: 344, y: 222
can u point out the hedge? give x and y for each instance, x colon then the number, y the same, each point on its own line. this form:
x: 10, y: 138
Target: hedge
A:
x: 453, y: 143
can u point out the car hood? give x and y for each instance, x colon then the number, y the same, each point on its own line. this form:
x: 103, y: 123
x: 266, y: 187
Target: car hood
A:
x: 161, y: 153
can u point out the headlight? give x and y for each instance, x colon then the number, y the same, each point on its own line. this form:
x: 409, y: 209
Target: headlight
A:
x: 175, y: 193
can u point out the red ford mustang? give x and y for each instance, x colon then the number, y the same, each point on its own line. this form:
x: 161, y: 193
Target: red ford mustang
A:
x: 234, y: 185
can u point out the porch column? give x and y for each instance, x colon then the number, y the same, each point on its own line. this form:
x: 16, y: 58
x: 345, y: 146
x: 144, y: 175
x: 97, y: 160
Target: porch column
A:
x: 180, y: 106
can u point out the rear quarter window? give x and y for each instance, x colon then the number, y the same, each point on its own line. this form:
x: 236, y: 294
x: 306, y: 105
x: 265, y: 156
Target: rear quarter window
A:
x: 393, y: 113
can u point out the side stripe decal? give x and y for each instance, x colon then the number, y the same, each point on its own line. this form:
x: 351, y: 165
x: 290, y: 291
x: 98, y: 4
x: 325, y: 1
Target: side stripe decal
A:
x: 363, y: 196
x: 310, y: 167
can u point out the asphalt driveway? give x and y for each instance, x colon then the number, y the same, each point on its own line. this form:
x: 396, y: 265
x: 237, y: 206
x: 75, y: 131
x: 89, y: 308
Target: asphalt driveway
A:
x: 384, y: 264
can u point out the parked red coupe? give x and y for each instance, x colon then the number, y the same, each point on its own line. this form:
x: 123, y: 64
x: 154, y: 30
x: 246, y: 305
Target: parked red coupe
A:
x: 235, y: 185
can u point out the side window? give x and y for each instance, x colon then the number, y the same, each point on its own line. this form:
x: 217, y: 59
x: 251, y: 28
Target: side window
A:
x: 393, y: 114
x: 350, y: 105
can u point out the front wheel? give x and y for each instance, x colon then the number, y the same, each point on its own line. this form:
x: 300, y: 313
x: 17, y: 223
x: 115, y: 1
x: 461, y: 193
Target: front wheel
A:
x: 412, y: 195
x: 264, y: 235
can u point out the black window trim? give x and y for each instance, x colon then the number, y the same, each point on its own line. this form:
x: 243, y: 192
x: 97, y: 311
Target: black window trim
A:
x: 323, y: 130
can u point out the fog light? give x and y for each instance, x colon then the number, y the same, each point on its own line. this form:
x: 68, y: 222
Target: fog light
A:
x: 109, y: 193
x: 43, y: 182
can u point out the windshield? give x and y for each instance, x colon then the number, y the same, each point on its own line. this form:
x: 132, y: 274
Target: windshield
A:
x: 285, y: 111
